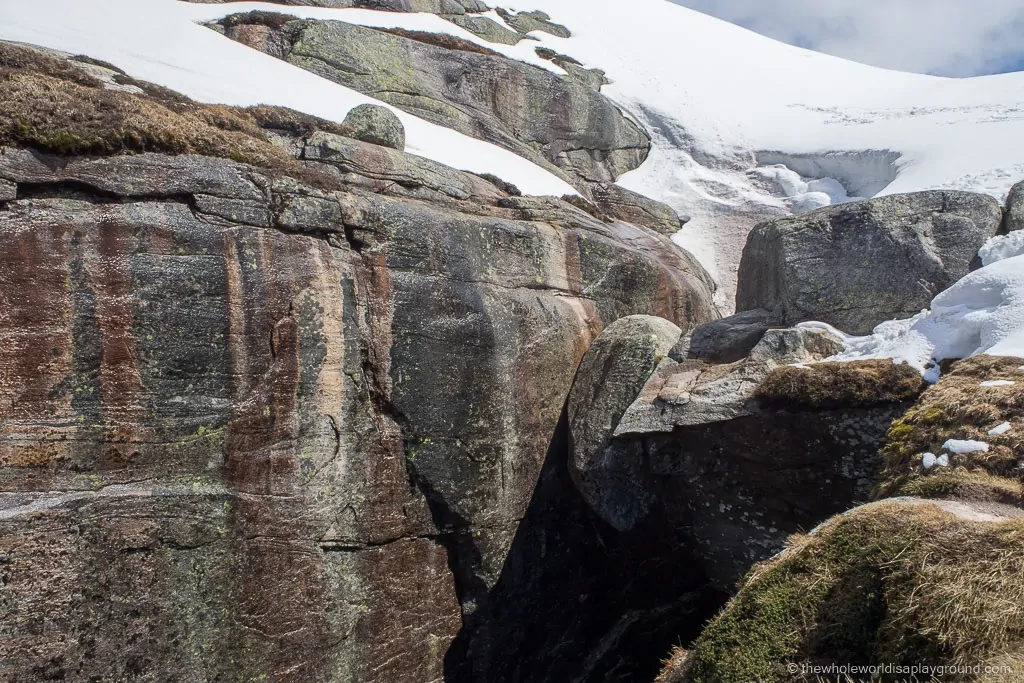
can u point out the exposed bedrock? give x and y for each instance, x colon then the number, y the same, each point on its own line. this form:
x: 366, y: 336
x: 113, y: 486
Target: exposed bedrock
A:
x: 725, y: 453
x: 253, y: 429
x: 859, y: 264
x: 433, y: 6
x: 557, y: 122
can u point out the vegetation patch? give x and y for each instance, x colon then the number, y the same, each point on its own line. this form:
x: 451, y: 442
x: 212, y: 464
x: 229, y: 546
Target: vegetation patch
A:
x: 50, y: 104
x: 891, y: 583
x: 441, y: 40
x: 827, y: 386
x: 959, y: 407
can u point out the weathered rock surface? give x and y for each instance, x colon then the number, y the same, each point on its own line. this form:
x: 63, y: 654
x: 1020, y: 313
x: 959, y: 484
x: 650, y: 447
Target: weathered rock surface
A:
x: 856, y: 265
x: 702, y: 452
x: 252, y: 429
x: 626, y: 205
x: 1014, y: 218
x: 431, y: 6
x: 610, y: 377
x: 559, y: 123
x: 376, y: 125
x: 525, y: 22
x: 486, y: 28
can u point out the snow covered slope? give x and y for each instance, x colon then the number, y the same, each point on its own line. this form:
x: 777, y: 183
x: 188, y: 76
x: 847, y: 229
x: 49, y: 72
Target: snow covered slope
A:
x: 745, y: 127
x: 722, y: 101
x: 159, y: 41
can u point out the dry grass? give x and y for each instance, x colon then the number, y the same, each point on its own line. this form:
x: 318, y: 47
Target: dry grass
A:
x: 49, y: 104
x: 890, y: 583
x: 957, y: 407
x: 441, y: 40
x: 826, y: 386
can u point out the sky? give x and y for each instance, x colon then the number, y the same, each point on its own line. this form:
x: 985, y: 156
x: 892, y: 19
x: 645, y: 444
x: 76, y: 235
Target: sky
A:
x: 941, y: 37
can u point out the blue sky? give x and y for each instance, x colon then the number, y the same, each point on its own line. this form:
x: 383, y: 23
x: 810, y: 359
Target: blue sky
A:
x: 943, y: 37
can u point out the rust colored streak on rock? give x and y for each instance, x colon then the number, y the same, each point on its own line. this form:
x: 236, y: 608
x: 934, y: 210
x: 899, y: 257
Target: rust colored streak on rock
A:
x: 414, y: 614
x: 264, y: 275
x: 122, y: 391
x: 35, y: 346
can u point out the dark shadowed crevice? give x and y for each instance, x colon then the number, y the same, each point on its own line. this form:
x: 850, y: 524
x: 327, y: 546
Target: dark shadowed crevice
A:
x: 579, y: 602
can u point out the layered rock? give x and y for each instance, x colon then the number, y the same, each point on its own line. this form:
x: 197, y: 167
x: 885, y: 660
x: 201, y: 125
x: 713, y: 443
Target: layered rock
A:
x: 559, y: 123
x: 859, y: 264
x: 284, y: 431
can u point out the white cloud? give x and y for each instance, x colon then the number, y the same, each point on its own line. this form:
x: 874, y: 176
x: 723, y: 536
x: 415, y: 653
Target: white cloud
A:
x: 946, y: 37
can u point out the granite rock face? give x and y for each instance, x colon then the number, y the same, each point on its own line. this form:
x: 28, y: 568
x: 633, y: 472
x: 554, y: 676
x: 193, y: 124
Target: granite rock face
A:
x: 859, y: 264
x: 252, y: 428
x: 557, y: 122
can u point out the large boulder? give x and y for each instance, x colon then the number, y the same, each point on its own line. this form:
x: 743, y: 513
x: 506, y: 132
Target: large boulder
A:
x: 1014, y: 219
x: 560, y: 123
x: 859, y: 264
x: 611, y: 376
x: 377, y: 125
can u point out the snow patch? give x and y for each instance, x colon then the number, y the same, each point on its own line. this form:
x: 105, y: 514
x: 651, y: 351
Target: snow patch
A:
x: 1002, y: 247
x: 965, y: 447
x: 799, y: 193
x: 1000, y: 430
x: 997, y: 383
x: 982, y: 313
x: 928, y: 460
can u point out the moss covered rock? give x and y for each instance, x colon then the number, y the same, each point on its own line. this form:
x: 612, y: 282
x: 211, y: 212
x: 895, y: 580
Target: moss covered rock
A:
x: 902, y: 583
x: 376, y: 125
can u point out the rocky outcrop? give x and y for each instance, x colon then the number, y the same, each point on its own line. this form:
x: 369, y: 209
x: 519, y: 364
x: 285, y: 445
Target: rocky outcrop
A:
x: 859, y: 264
x: 725, y: 453
x: 376, y: 125
x: 486, y: 28
x: 525, y: 22
x: 559, y: 123
x: 629, y: 206
x: 252, y: 428
x: 1014, y: 215
x: 457, y: 7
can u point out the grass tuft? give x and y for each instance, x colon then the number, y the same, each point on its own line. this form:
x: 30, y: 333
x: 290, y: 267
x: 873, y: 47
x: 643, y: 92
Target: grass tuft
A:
x: 826, y: 386
x: 50, y: 104
x: 890, y: 583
